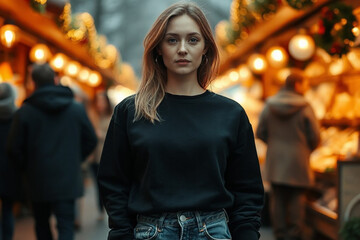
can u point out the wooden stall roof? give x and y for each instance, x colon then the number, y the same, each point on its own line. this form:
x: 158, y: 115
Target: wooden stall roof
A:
x: 284, y: 17
x: 46, y: 29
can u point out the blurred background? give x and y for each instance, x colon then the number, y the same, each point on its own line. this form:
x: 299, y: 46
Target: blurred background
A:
x: 96, y: 46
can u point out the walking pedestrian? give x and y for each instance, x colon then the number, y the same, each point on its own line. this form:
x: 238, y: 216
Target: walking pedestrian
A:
x: 49, y: 138
x: 291, y: 131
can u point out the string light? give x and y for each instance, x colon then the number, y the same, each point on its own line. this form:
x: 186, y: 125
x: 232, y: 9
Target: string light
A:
x: 8, y: 35
x: 94, y: 79
x: 301, y: 47
x: 58, y: 61
x: 84, y: 74
x: 40, y: 53
x: 257, y: 63
x: 277, y: 56
x: 72, y: 68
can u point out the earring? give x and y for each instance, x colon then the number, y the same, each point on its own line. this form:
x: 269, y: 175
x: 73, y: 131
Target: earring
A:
x: 206, y: 58
x: 156, y: 59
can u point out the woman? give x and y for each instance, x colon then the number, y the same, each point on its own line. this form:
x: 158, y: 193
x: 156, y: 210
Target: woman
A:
x: 179, y: 161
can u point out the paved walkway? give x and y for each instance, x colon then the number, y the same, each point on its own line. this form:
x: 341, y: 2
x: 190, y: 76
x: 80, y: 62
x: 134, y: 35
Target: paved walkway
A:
x: 92, y: 228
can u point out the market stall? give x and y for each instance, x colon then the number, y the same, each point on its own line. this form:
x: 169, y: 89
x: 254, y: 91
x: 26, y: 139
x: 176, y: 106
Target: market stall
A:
x: 34, y: 31
x: 260, y: 43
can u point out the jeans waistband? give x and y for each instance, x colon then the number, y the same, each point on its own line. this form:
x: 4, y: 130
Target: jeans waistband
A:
x: 184, y: 218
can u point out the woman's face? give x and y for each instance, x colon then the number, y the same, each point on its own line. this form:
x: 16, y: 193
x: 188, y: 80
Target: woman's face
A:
x: 182, y: 47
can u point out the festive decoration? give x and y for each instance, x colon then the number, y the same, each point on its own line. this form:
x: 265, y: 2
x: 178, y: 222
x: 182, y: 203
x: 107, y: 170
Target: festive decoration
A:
x: 84, y: 74
x: 58, y: 62
x: 277, y: 56
x: 40, y: 53
x: 94, y: 79
x: 262, y: 9
x: 8, y: 35
x: 38, y: 5
x: 81, y: 28
x: 257, y: 63
x: 335, y: 29
x: 241, y: 21
x: 72, y: 68
x: 300, y: 4
x: 301, y: 47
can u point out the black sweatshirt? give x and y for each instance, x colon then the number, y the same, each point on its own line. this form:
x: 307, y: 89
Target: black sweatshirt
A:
x: 200, y: 156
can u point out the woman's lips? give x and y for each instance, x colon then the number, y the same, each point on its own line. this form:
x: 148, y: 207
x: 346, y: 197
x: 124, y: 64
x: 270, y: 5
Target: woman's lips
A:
x: 182, y: 61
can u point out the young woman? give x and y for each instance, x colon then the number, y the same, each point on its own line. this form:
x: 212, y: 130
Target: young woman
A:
x: 179, y: 161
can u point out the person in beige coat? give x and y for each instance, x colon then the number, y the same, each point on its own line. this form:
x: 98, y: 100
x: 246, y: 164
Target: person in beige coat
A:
x: 291, y: 131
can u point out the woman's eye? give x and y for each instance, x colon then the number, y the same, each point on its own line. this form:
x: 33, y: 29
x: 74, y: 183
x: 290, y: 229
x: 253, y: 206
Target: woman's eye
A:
x: 171, y: 40
x: 193, y: 40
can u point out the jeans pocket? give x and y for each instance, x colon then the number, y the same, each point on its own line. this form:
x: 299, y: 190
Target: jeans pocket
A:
x: 145, y: 231
x: 218, y: 230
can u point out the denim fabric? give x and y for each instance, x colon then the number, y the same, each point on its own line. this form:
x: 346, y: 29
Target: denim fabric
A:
x: 183, y: 226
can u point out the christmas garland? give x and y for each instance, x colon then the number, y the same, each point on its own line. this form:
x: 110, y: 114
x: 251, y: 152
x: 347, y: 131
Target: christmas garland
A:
x: 38, y: 5
x: 300, y: 4
x: 80, y: 28
x: 244, y: 14
x: 335, y: 26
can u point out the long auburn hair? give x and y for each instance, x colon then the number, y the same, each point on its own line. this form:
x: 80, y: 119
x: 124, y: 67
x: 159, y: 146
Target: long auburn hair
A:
x: 154, y: 75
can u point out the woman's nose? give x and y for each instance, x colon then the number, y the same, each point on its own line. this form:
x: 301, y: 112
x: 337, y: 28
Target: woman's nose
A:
x: 182, y: 48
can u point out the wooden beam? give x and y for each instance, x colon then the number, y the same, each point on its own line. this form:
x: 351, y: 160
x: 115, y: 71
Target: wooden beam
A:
x: 46, y: 30
x: 283, y: 18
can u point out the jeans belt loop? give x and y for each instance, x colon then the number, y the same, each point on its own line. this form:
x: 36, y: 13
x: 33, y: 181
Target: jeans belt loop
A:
x: 201, y: 225
x: 161, y: 222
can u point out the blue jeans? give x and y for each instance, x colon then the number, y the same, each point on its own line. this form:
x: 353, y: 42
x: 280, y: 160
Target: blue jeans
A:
x: 64, y: 211
x: 183, y: 226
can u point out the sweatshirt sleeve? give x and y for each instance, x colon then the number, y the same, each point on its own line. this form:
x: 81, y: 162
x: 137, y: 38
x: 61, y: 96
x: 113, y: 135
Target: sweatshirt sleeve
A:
x: 244, y: 180
x: 113, y: 176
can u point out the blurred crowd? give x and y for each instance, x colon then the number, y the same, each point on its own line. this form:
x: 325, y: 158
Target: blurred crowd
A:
x: 47, y: 147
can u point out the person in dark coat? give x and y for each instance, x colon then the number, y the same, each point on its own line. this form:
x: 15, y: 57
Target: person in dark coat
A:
x: 49, y: 138
x: 9, y: 181
x: 291, y: 131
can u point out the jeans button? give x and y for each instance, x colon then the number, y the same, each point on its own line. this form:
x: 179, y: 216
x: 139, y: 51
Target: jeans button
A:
x: 182, y: 218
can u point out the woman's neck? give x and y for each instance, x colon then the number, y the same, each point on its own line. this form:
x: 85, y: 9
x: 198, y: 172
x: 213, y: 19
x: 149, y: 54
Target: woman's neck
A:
x: 183, y: 86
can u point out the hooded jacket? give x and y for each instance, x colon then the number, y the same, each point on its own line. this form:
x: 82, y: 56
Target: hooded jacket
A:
x: 9, y: 180
x: 49, y: 138
x: 291, y: 131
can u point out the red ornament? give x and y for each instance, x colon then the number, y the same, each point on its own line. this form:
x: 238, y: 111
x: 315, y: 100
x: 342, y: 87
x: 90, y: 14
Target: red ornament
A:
x: 327, y: 13
x: 335, y: 48
x: 321, y: 27
x: 84, y: 41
